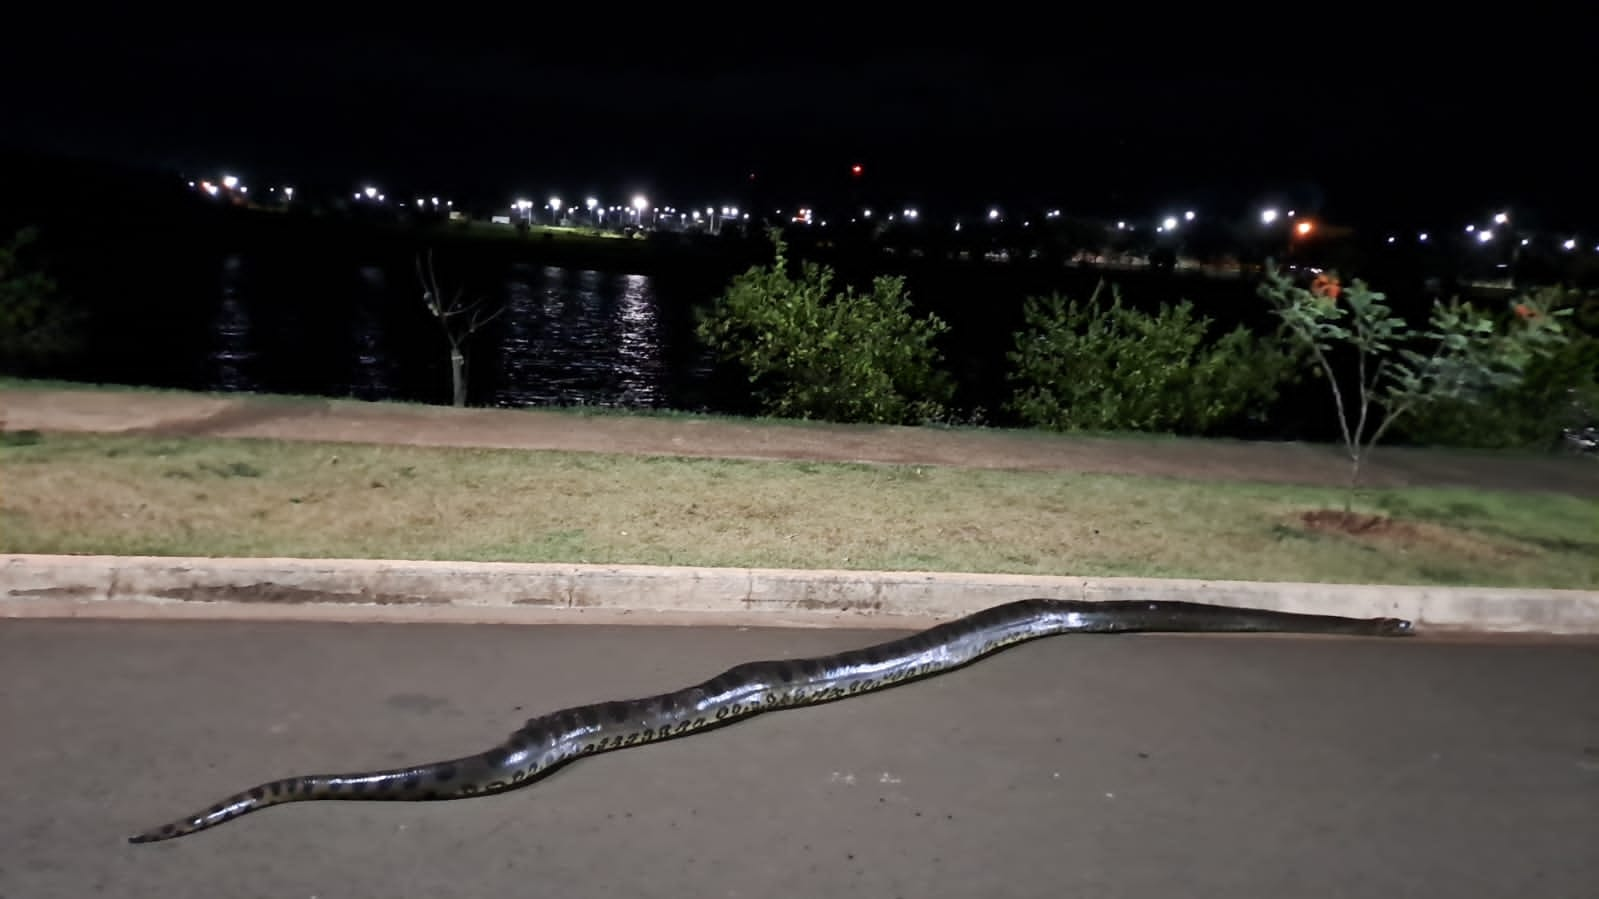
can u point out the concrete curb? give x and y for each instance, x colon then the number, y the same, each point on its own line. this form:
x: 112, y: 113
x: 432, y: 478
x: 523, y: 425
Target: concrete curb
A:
x: 42, y: 586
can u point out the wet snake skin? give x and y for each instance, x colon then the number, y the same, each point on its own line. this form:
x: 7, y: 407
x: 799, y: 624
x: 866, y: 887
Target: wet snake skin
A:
x: 550, y: 741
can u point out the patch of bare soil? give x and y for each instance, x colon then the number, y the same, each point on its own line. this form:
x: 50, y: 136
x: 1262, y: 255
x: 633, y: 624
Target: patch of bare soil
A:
x: 1407, y: 535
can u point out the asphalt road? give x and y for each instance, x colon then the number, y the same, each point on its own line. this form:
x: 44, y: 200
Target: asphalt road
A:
x: 1133, y: 766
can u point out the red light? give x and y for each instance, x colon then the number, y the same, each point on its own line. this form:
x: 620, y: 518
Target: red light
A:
x: 856, y: 170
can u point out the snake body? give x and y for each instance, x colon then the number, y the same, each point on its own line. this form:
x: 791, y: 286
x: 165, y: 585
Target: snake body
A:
x: 547, y: 742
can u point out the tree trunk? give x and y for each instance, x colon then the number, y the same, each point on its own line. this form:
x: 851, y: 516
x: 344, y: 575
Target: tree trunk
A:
x: 458, y: 376
x: 1354, y: 483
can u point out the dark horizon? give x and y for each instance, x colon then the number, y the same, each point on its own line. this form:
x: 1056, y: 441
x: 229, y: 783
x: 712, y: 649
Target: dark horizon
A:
x: 939, y: 129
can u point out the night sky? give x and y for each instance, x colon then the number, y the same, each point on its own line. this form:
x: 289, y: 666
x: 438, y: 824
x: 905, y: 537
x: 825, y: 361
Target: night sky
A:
x: 1417, y: 140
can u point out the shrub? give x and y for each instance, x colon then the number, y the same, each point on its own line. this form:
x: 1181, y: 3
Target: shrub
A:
x: 1097, y: 367
x: 812, y: 352
x: 35, y: 323
x: 1557, y: 391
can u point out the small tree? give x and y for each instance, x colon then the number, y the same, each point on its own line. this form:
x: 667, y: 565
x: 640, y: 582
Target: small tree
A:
x: 459, y: 319
x: 1461, y: 356
x: 839, y: 356
x: 34, y: 324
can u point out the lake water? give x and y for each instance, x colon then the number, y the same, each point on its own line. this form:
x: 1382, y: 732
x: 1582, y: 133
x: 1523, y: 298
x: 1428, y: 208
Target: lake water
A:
x: 347, y: 321
x: 563, y: 338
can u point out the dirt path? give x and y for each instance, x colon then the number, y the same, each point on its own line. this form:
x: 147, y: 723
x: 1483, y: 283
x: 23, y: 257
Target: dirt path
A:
x: 353, y: 421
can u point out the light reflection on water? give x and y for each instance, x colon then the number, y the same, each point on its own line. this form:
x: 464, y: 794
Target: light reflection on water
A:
x: 371, y: 370
x: 581, y: 337
x: 566, y: 337
x: 233, y: 353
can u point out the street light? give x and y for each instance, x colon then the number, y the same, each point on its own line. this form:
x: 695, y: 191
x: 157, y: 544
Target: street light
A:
x: 1484, y: 236
x: 993, y: 215
x: 1268, y: 216
x: 1189, y: 215
x: 230, y: 182
x: 1304, y: 228
x: 1501, y: 218
x: 1170, y: 223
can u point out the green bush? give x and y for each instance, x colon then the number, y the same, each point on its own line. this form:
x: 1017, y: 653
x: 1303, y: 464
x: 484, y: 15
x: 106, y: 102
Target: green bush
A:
x: 812, y: 352
x: 35, y: 323
x: 1097, y: 367
x: 1557, y: 391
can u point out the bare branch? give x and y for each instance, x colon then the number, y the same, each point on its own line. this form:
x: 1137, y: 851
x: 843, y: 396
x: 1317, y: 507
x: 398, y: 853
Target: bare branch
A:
x: 481, y: 322
x: 458, y: 319
x: 1338, y: 397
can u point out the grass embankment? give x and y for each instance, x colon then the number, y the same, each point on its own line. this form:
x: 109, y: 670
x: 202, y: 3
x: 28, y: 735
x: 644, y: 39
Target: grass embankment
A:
x: 494, y: 231
x: 165, y: 496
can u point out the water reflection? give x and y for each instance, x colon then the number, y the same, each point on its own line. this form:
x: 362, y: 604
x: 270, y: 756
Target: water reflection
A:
x: 371, y: 373
x: 582, y: 337
x: 566, y: 337
x: 232, y: 352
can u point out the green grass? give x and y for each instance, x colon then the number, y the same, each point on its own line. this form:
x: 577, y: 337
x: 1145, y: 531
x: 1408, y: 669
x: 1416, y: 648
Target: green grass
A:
x: 11, y: 382
x: 564, y: 234
x: 177, y: 496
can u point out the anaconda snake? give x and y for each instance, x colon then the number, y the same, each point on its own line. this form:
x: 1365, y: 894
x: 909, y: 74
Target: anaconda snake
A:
x: 547, y: 742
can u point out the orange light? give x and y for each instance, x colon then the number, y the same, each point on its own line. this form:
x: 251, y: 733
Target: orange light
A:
x: 1303, y: 228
